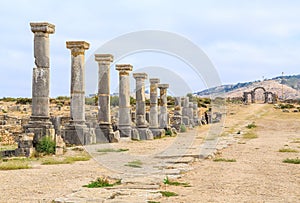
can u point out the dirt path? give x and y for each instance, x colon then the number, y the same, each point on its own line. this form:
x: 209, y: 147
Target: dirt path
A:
x: 258, y: 175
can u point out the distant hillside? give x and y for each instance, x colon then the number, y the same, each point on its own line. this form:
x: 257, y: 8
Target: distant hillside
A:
x: 289, y: 84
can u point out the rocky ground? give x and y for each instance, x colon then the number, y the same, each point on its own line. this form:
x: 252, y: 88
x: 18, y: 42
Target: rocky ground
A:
x: 257, y: 175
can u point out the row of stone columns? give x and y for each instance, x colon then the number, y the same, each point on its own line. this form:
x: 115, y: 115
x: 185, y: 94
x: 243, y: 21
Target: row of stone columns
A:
x: 76, y: 132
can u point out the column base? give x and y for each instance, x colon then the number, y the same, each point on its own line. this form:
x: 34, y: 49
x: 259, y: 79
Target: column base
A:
x: 77, y: 135
x: 105, y: 134
x: 40, y: 127
x: 158, y: 133
x: 125, y: 131
x: 142, y: 134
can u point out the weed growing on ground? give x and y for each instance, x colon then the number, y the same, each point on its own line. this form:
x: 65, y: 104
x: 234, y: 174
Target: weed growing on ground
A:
x: 288, y: 150
x: 166, y: 181
x: 250, y: 135
x: 66, y: 160
x: 224, y: 160
x: 112, y: 150
x: 292, y: 161
x: 135, y: 164
x: 14, y: 164
x: 251, y: 125
x: 168, y: 193
x: 102, y: 182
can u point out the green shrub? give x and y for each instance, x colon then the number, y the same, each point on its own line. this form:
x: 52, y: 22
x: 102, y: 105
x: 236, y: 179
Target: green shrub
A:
x: 46, y: 145
x: 286, y: 106
x: 24, y: 101
x: 169, y: 132
x: 182, y: 128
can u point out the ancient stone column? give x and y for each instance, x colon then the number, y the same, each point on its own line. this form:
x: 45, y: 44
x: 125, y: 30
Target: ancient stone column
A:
x: 76, y: 131
x: 124, y: 99
x: 140, y: 99
x: 39, y: 122
x: 163, y: 118
x: 176, y: 120
x: 141, y: 123
x: 41, y: 73
x: 185, y: 111
x: 77, y: 110
x: 191, y: 114
x: 153, y: 121
x: 195, y: 114
x: 105, y: 132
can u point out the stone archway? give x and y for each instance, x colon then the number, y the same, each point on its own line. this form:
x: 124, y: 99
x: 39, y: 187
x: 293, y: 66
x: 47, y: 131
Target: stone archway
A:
x: 253, y: 94
x: 269, y: 97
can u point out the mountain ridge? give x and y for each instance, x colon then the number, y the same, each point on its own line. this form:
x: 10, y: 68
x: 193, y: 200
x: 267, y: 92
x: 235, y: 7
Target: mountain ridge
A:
x: 287, y: 87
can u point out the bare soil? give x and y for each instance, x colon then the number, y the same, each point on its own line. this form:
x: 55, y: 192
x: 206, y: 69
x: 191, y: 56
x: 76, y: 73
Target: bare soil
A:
x: 258, y: 175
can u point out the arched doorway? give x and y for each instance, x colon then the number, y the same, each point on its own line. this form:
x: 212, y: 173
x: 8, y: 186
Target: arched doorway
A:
x: 259, y: 95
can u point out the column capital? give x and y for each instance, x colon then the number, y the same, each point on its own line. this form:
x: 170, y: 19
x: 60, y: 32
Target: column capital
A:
x: 77, y: 47
x: 104, y: 58
x: 154, y: 80
x: 124, y: 68
x: 140, y: 75
x: 44, y: 27
x: 163, y: 86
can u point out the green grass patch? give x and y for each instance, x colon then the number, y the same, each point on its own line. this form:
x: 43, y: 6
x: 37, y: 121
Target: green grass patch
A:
x: 135, y: 164
x: 152, y: 202
x: 66, y: 160
x: 14, y: 165
x: 292, y: 161
x: 288, y: 150
x: 166, y: 181
x: 224, y: 160
x: 250, y: 135
x: 168, y: 193
x: 251, y: 125
x: 102, y: 182
x: 8, y: 147
x: 112, y: 150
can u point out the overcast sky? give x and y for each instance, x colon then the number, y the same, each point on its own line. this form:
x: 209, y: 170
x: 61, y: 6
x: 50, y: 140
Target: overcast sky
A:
x: 244, y: 40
